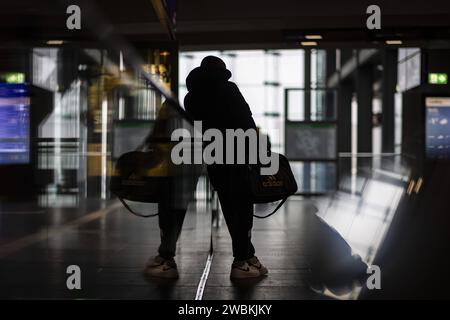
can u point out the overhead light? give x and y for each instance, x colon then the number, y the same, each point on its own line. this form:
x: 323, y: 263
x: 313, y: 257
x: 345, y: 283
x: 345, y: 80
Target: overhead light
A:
x: 393, y: 42
x: 55, y: 42
x: 313, y: 37
x: 308, y: 43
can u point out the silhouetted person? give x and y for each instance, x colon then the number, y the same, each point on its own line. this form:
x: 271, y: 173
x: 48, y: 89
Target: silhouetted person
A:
x: 219, y: 104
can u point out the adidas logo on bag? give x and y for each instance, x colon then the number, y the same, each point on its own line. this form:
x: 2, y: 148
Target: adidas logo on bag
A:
x: 272, y: 181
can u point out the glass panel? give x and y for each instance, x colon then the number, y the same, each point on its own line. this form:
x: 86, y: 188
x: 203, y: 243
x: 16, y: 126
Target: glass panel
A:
x: 79, y: 110
x: 262, y: 76
x: 296, y: 105
x: 318, y: 68
x: 291, y: 68
x: 409, y: 68
x: 249, y: 67
x: 314, y: 177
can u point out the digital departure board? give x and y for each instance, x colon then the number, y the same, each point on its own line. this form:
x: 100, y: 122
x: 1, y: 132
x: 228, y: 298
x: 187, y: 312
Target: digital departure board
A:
x: 14, y: 124
x: 437, y: 128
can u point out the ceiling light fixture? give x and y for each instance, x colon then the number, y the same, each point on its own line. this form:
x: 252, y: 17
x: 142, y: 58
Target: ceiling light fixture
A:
x: 55, y: 42
x: 308, y: 43
x: 394, y: 42
x: 313, y: 37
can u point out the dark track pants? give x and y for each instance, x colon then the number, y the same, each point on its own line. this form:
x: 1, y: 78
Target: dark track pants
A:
x: 236, y: 208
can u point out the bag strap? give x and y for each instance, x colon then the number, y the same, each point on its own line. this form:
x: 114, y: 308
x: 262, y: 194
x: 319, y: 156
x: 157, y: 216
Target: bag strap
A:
x: 273, y: 212
x: 155, y: 214
x: 135, y: 213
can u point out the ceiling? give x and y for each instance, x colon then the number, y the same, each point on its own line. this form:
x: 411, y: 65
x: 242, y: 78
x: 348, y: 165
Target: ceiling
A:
x: 221, y: 24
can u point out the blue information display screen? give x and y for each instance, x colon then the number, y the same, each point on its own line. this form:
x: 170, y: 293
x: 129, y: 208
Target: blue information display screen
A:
x: 14, y: 124
x: 438, y: 128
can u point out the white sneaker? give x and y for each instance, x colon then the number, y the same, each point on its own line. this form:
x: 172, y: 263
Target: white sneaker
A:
x: 161, y: 268
x: 254, y: 262
x: 242, y: 270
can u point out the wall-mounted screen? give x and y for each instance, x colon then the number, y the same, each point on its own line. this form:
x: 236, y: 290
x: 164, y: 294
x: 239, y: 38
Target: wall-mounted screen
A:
x: 310, y: 141
x: 14, y: 124
x: 437, y: 128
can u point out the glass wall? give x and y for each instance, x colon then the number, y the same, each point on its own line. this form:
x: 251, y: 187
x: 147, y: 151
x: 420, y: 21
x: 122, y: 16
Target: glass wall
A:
x: 262, y: 76
x: 275, y: 82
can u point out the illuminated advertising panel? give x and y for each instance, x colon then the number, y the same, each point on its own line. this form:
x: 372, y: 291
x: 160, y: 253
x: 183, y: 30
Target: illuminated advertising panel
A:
x: 437, y: 128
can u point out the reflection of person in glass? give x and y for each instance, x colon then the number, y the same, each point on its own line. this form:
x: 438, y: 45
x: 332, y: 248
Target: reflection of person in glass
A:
x: 219, y: 104
x: 175, y: 192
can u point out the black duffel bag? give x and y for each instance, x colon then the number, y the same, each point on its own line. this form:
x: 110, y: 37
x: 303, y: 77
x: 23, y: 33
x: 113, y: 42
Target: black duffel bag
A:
x: 150, y: 176
x: 270, y: 188
x: 142, y: 177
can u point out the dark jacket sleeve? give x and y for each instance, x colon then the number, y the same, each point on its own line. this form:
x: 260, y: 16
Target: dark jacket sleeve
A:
x: 241, y: 110
x: 188, y: 105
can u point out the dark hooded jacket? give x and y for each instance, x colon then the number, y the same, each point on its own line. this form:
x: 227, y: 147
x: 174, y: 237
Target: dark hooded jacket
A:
x: 219, y: 104
x: 216, y: 101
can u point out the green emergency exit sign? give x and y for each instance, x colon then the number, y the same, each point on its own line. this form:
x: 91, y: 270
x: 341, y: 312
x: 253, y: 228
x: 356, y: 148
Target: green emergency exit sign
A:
x: 437, y: 78
x: 12, y: 77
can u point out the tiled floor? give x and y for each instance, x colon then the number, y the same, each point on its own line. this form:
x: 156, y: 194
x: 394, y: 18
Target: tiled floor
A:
x: 280, y: 244
x: 371, y: 213
x: 111, y: 251
x: 112, y: 248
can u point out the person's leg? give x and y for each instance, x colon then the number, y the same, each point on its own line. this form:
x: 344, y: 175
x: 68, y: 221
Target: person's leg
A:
x: 238, y: 216
x: 237, y: 210
x: 170, y: 225
x: 170, y: 221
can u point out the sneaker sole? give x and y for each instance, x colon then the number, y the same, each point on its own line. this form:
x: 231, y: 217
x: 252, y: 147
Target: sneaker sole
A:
x: 263, y: 272
x: 237, y: 275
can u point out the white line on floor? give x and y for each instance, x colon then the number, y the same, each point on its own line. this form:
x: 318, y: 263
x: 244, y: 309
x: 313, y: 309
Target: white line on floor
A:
x: 204, y: 278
